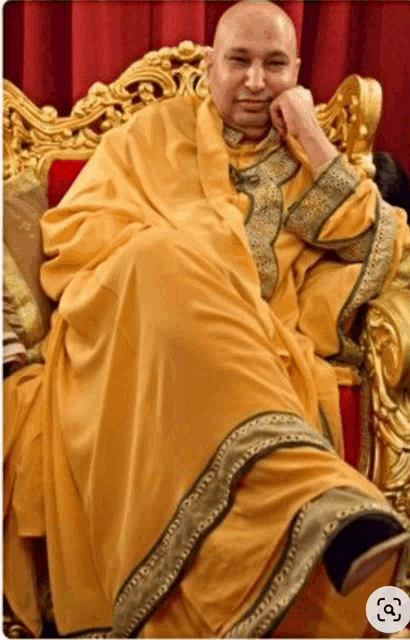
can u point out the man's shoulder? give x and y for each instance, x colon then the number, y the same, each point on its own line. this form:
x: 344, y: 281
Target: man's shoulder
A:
x: 179, y: 110
x: 157, y: 124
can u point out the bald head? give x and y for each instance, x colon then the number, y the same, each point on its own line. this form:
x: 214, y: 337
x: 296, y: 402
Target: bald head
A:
x: 248, y: 15
x: 253, y: 60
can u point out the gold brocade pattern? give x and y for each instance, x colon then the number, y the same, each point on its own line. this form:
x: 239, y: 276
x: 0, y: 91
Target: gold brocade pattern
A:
x: 25, y: 304
x: 316, y: 524
x: 21, y: 183
x: 370, y: 281
x: 232, y: 137
x: 333, y: 186
x: 201, y: 510
x: 358, y: 249
x: 235, y: 139
x: 14, y: 350
x: 20, y: 307
x: 262, y: 182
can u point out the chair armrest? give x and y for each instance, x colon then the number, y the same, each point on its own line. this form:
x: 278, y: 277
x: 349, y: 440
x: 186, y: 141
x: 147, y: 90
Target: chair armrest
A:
x: 386, y: 342
x: 387, y: 348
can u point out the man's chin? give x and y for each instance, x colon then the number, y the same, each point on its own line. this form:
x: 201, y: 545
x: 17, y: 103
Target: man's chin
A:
x: 253, y: 129
x: 254, y: 120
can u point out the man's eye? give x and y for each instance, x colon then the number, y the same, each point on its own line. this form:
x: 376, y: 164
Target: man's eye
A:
x: 276, y: 63
x: 240, y: 60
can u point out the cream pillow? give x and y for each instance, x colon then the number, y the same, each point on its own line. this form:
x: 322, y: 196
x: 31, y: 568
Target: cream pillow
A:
x: 26, y: 308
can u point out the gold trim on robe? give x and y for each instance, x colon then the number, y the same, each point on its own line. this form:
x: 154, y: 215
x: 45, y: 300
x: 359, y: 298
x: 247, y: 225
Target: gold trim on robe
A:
x: 202, y: 508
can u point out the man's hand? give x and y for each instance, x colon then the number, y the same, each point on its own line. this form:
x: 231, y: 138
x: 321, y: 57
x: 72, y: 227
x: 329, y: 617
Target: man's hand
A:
x: 293, y: 114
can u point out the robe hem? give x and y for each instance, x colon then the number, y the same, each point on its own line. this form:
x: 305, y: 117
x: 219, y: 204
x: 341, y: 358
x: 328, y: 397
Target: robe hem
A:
x: 203, y: 507
x: 314, y: 527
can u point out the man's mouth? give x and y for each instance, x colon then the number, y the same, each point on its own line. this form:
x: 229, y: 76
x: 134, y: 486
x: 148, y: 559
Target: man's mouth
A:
x: 254, y: 105
x: 253, y: 101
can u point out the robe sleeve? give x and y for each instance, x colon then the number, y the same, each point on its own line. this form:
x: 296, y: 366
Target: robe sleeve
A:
x: 336, y: 211
x: 343, y: 214
x: 369, y: 241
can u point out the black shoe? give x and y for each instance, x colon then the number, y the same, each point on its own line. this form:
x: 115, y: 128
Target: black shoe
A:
x: 360, y: 548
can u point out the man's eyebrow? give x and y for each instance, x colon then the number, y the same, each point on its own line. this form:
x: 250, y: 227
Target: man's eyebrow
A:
x: 276, y: 53
x: 239, y: 50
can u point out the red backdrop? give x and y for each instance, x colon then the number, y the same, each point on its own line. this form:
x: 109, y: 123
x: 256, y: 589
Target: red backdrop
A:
x: 54, y: 51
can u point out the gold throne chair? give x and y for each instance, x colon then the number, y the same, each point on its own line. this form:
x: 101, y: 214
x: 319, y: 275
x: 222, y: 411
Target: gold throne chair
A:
x: 34, y: 138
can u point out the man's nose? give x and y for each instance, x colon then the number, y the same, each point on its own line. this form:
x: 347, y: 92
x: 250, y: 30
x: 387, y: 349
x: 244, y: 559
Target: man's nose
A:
x: 255, y: 78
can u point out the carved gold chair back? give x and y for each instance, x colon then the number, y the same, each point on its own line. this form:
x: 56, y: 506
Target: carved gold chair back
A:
x: 34, y: 137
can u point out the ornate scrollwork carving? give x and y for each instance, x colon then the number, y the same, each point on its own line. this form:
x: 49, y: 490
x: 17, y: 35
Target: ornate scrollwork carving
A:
x: 351, y: 118
x: 387, y: 340
x: 34, y: 137
x: 387, y: 336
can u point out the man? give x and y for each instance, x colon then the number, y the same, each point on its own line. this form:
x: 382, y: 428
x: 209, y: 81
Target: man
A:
x: 208, y: 265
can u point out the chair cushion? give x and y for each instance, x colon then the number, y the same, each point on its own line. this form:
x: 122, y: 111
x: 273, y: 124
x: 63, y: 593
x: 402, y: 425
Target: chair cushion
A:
x: 60, y: 178
x: 26, y: 308
x: 349, y: 399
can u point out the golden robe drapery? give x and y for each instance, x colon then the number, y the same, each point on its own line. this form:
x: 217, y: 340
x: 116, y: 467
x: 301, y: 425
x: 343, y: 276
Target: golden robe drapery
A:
x: 186, y: 377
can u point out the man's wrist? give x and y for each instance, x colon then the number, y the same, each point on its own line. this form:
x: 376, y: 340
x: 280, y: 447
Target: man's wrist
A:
x: 318, y: 149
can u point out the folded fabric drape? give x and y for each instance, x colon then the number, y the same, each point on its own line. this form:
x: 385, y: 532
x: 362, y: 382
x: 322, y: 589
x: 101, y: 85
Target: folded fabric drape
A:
x: 182, y: 420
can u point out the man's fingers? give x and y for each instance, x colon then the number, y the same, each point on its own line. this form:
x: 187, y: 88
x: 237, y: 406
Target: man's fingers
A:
x: 279, y: 124
x: 278, y: 118
x: 292, y: 112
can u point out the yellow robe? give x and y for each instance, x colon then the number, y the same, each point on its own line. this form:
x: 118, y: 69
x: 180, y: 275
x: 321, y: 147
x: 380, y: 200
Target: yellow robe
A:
x: 183, y: 427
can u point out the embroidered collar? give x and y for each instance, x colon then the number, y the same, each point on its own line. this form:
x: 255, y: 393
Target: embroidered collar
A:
x: 234, y: 138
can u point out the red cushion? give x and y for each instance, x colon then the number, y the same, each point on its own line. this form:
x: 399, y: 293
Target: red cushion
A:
x: 350, y: 411
x: 61, y: 176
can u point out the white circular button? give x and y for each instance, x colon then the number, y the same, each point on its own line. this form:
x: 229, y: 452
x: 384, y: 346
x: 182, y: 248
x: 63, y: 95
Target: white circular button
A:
x: 388, y: 609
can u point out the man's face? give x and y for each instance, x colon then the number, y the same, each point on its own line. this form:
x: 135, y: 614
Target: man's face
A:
x: 250, y: 66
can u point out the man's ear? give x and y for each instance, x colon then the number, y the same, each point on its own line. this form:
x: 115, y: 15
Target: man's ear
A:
x: 297, y: 66
x: 209, y: 59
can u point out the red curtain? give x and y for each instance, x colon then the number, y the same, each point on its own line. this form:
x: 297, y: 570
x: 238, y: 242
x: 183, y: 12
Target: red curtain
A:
x: 54, y: 51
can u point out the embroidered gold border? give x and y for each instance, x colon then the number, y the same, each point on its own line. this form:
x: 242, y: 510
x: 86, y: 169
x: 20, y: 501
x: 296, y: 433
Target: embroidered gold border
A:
x: 316, y: 524
x: 370, y: 281
x: 322, y: 198
x: 358, y: 249
x: 202, y: 508
x: 261, y: 182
